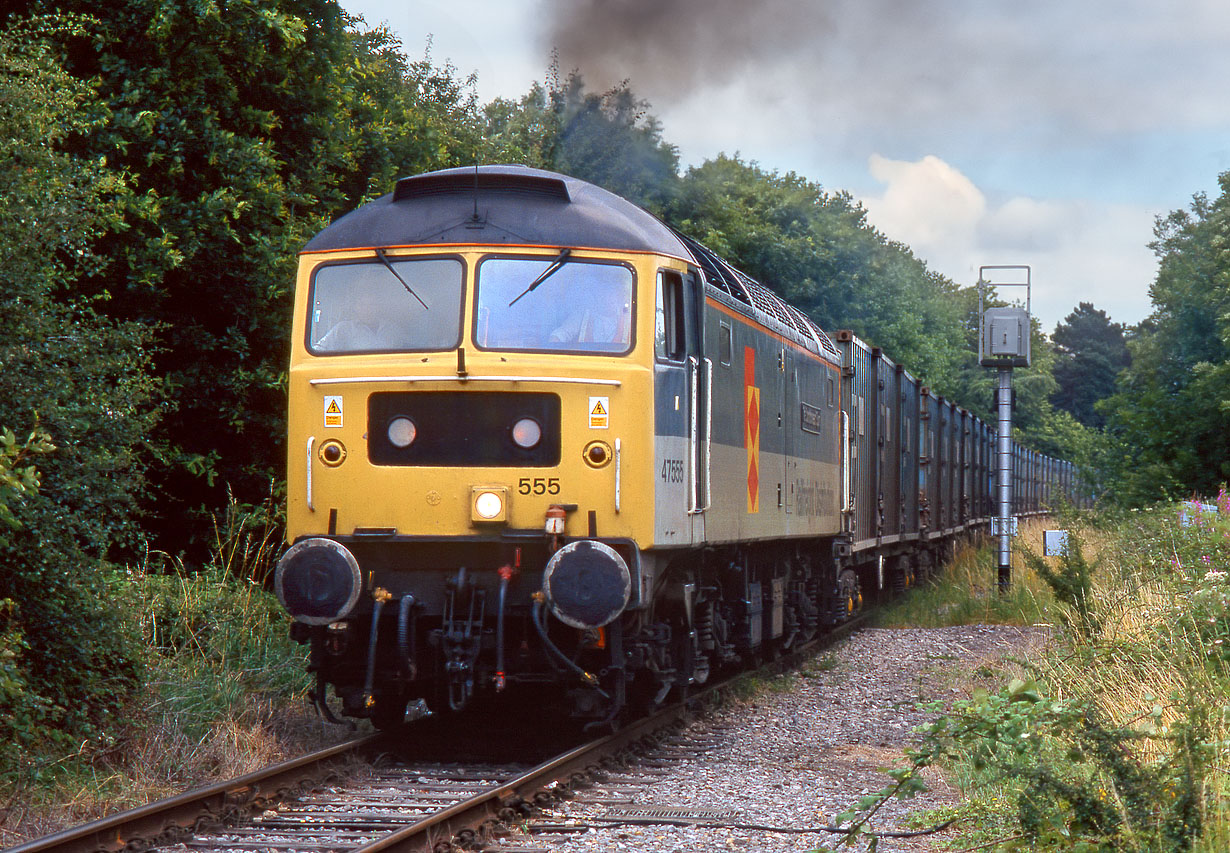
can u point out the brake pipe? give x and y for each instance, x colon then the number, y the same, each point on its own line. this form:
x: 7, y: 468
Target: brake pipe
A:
x: 539, y: 623
x: 505, y: 572
x: 406, y: 641
x: 381, y: 596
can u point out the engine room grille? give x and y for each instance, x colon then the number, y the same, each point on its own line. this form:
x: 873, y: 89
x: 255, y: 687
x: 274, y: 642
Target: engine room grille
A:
x: 463, y: 429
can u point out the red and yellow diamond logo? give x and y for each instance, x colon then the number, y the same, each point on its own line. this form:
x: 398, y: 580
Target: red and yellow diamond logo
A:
x: 751, y: 428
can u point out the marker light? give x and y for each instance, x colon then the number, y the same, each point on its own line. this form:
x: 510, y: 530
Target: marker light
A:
x: 402, y: 432
x: 333, y: 453
x: 526, y: 433
x: 597, y: 454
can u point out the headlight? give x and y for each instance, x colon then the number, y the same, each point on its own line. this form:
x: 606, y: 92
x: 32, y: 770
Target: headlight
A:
x: 402, y: 432
x: 489, y: 503
x: 527, y: 433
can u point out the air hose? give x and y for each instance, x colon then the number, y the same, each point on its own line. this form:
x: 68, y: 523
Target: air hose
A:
x: 505, y: 577
x: 405, y: 635
x: 540, y: 624
x: 381, y: 597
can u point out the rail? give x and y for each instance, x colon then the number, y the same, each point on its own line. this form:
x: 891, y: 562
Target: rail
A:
x: 163, y: 821
x: 207, y: 810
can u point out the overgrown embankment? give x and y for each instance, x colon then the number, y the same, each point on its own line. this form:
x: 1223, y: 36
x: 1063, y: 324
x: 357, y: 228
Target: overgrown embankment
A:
x: 1116, y: 737
x: 223, y: 692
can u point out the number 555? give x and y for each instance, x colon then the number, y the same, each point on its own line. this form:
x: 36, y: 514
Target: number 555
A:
x: 538, y: 486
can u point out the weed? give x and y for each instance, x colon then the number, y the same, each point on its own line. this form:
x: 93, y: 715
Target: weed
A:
x: 966, y: 592
x: 818, y: 665
x: 222, y: 679
x: 1114, y: 740
x: 1071, y: 583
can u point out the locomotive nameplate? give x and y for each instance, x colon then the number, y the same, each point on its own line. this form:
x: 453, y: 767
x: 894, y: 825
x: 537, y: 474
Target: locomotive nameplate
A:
x: 810, y: 419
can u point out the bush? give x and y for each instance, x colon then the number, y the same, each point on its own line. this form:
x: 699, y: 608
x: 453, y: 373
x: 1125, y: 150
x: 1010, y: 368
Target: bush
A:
x: 1071, y: 583
x: 1075, y: 780
x: 1114, y: 742
x: 78, y: 384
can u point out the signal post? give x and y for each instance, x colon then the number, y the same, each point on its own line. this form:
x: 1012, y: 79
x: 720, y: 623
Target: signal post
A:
x: 1003, y: 344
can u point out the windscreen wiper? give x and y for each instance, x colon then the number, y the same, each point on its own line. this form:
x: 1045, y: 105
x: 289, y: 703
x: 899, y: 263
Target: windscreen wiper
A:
x: 384, y: 260
x: 560, y: 260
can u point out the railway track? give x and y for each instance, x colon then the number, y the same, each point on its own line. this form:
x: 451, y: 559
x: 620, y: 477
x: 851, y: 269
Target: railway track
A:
x: 391, y: 802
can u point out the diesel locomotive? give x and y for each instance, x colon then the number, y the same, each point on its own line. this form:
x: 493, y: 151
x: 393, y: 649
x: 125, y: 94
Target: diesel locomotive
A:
x: 540, y: 442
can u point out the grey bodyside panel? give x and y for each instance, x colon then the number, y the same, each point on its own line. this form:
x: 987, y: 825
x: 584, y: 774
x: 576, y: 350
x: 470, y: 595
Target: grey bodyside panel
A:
x: 815, y: 512
x: 797, y: 463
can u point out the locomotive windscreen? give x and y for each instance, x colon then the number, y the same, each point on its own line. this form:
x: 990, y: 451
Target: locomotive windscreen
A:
x: 554, y: 304
x: 386, y: 305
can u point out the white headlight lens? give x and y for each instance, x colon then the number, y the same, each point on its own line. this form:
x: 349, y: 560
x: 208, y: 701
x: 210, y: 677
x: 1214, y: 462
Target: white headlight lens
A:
x: 526, y: 433
x: 402, y: 432
x: 488, y: 505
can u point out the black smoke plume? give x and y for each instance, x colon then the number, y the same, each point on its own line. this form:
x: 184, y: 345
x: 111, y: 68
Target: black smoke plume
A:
x: 675, y: 46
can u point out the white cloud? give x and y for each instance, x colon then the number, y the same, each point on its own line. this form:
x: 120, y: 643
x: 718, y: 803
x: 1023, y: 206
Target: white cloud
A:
x: 1079, y: 250
x: 930, y: 200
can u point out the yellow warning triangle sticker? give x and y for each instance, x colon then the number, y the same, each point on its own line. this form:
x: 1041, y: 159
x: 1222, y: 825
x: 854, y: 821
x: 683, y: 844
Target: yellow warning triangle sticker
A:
x: 598, y: 410
x: 334, y: 408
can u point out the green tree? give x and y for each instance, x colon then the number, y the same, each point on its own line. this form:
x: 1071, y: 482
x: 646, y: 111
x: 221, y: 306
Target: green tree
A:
x: 607, y: 138
x: 242, y: 129
x: 405, y: 116
x: 817, y: 251
x: 226, y: 122
x: 611, y: 140
x: 77, y: 384
x: 522, y: 131
x: 1172, y: 407
x: 1090, y: 350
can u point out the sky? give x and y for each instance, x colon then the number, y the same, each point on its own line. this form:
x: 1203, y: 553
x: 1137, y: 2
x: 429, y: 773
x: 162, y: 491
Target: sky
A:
x: 1051, y: 133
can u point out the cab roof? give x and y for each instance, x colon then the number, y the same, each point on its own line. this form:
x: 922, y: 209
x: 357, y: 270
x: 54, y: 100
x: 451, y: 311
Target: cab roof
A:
x: 520, y: 206
x: 500, y: 204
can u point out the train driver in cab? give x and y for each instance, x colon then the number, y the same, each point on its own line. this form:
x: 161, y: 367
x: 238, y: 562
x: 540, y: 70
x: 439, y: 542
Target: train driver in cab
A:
x: 372, y: 322
x: 604, y: 318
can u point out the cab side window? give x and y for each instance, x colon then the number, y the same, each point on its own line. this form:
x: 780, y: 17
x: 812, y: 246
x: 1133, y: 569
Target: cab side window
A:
x: 726, y: 345
x: 669, y: 337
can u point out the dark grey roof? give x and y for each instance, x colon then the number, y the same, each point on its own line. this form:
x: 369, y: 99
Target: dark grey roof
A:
x: 500, y: 204
x: 517, y: 205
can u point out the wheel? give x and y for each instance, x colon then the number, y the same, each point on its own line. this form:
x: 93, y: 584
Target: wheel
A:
x: 849, y: 600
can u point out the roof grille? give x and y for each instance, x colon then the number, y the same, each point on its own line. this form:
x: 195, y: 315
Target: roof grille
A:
x: 717, y: 272
x: 459, y: 182
x: 722, y: 276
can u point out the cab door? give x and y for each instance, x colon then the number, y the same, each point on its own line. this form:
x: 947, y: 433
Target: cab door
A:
x: 682, y: 412
x: 700, y: 386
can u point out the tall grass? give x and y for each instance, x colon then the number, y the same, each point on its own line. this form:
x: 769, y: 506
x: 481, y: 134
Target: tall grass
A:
x: 223, y: 694
x: 218, y: 638
x: 223, y: 667
x: 966, y: 591
x: 1120, y: 739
